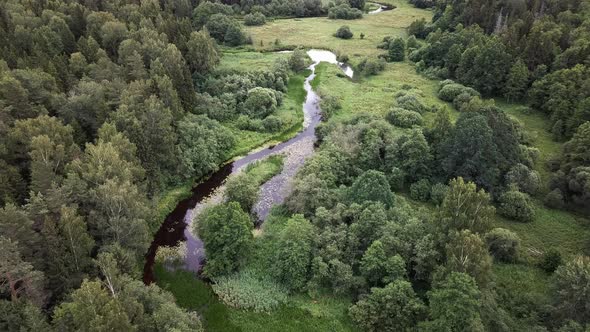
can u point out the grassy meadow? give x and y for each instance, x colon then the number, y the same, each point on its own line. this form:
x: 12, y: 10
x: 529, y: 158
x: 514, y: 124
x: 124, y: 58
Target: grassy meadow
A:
x: 317, y: 32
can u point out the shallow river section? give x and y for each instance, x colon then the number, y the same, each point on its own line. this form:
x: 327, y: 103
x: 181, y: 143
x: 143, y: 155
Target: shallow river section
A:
x: 178, y: 227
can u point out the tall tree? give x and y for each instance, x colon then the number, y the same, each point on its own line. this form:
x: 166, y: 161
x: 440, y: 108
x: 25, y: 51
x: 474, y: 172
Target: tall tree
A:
x: 392, y: 308
x: 226, y: 231
x: 466, y: 208
x: 454, y: 305
x: 517, y: 82
x: 202, y: 53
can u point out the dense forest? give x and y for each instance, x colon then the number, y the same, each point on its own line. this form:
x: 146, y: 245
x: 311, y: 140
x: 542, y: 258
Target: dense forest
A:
x: 420, y: 209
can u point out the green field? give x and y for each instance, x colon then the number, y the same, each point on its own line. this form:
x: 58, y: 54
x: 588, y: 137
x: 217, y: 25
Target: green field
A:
x: 317, y: 32
x: 248, y: 60
x: 302, y: 313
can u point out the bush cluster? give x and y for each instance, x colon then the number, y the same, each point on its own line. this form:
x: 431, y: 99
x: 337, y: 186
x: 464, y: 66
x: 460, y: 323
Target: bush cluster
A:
x: 344, y: 32
x: 403, y: 118
x: 344, y: 12
x: 254, y: 19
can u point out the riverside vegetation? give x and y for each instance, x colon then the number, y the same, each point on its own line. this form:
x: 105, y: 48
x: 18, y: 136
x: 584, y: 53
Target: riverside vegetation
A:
x: 449, y: 190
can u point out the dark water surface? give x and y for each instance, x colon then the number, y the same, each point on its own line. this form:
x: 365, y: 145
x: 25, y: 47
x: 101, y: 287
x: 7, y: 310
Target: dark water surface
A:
x: 177, y: 225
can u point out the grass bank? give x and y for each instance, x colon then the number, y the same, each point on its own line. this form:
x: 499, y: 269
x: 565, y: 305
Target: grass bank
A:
x: 302, y: 313
x: 290, y: 112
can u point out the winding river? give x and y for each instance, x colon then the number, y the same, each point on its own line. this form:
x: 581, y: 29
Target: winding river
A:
x: 177, y: 226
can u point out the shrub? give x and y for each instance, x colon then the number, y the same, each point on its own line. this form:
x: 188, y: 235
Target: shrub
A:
x: 329, y: 105
x: 242, y: 189
x: 297, y: 60
x: 420, y: 190
x: 403, y: 118
x: 438, y: 193
x: 551, y: 260
x: 243, y: 122
x: 255, y: 19
x: 371, y: 66
x: 344, y: 12
x: 344, y: 32
x: 225, y: 30
x: 408, y: 100
x: 261, y: 102
x: 272, y: 123
x: 516, y: 205
x: 554, y: 199
x: 418, y: 28
x: 411, y: 43
x: 525, y: 179
x: 396, y: 179
x: 397, y: 50
x: 503, y: 244
x: 462, y: 99
x: 342, y: 58
x: 245, y: 290
x: 450, y: 91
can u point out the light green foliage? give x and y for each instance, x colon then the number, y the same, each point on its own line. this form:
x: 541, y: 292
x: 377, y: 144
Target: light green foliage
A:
x: 242, y: 189
x: 246, y: 290
x: 503, y: 244
x: 329, y: 105
x: 465, y: 207
x: 297, y: 59
x: 572, y: 289
x: 21, y: 316
x: 454, y: 305
x: 467, y: 253
x: 450, y: 90
x: 403, y: 118
x: 261, y: 102
x: 412, y: 155
x: 516, y: 205
x: 371, y: 186
x: 92, y: 309
x: 371, y: 66
x: 226, y: 231
x: 392, y: 308
x: 203, y: 145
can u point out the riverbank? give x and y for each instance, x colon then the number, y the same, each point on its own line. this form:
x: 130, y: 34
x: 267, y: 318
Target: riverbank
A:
x: 248, y: 141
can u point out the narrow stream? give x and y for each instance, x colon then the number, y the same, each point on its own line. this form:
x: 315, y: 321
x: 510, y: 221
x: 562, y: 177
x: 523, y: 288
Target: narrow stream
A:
x: 381, y: 8
x: 178, y: 224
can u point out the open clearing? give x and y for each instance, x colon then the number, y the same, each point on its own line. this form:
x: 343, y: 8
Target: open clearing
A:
x: 317, y: 32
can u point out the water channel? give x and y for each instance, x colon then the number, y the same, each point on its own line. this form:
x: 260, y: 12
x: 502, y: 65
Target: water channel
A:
x: 177, y: 226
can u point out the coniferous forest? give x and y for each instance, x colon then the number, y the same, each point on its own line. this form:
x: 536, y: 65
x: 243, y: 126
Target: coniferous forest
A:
x: 295, y: 165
